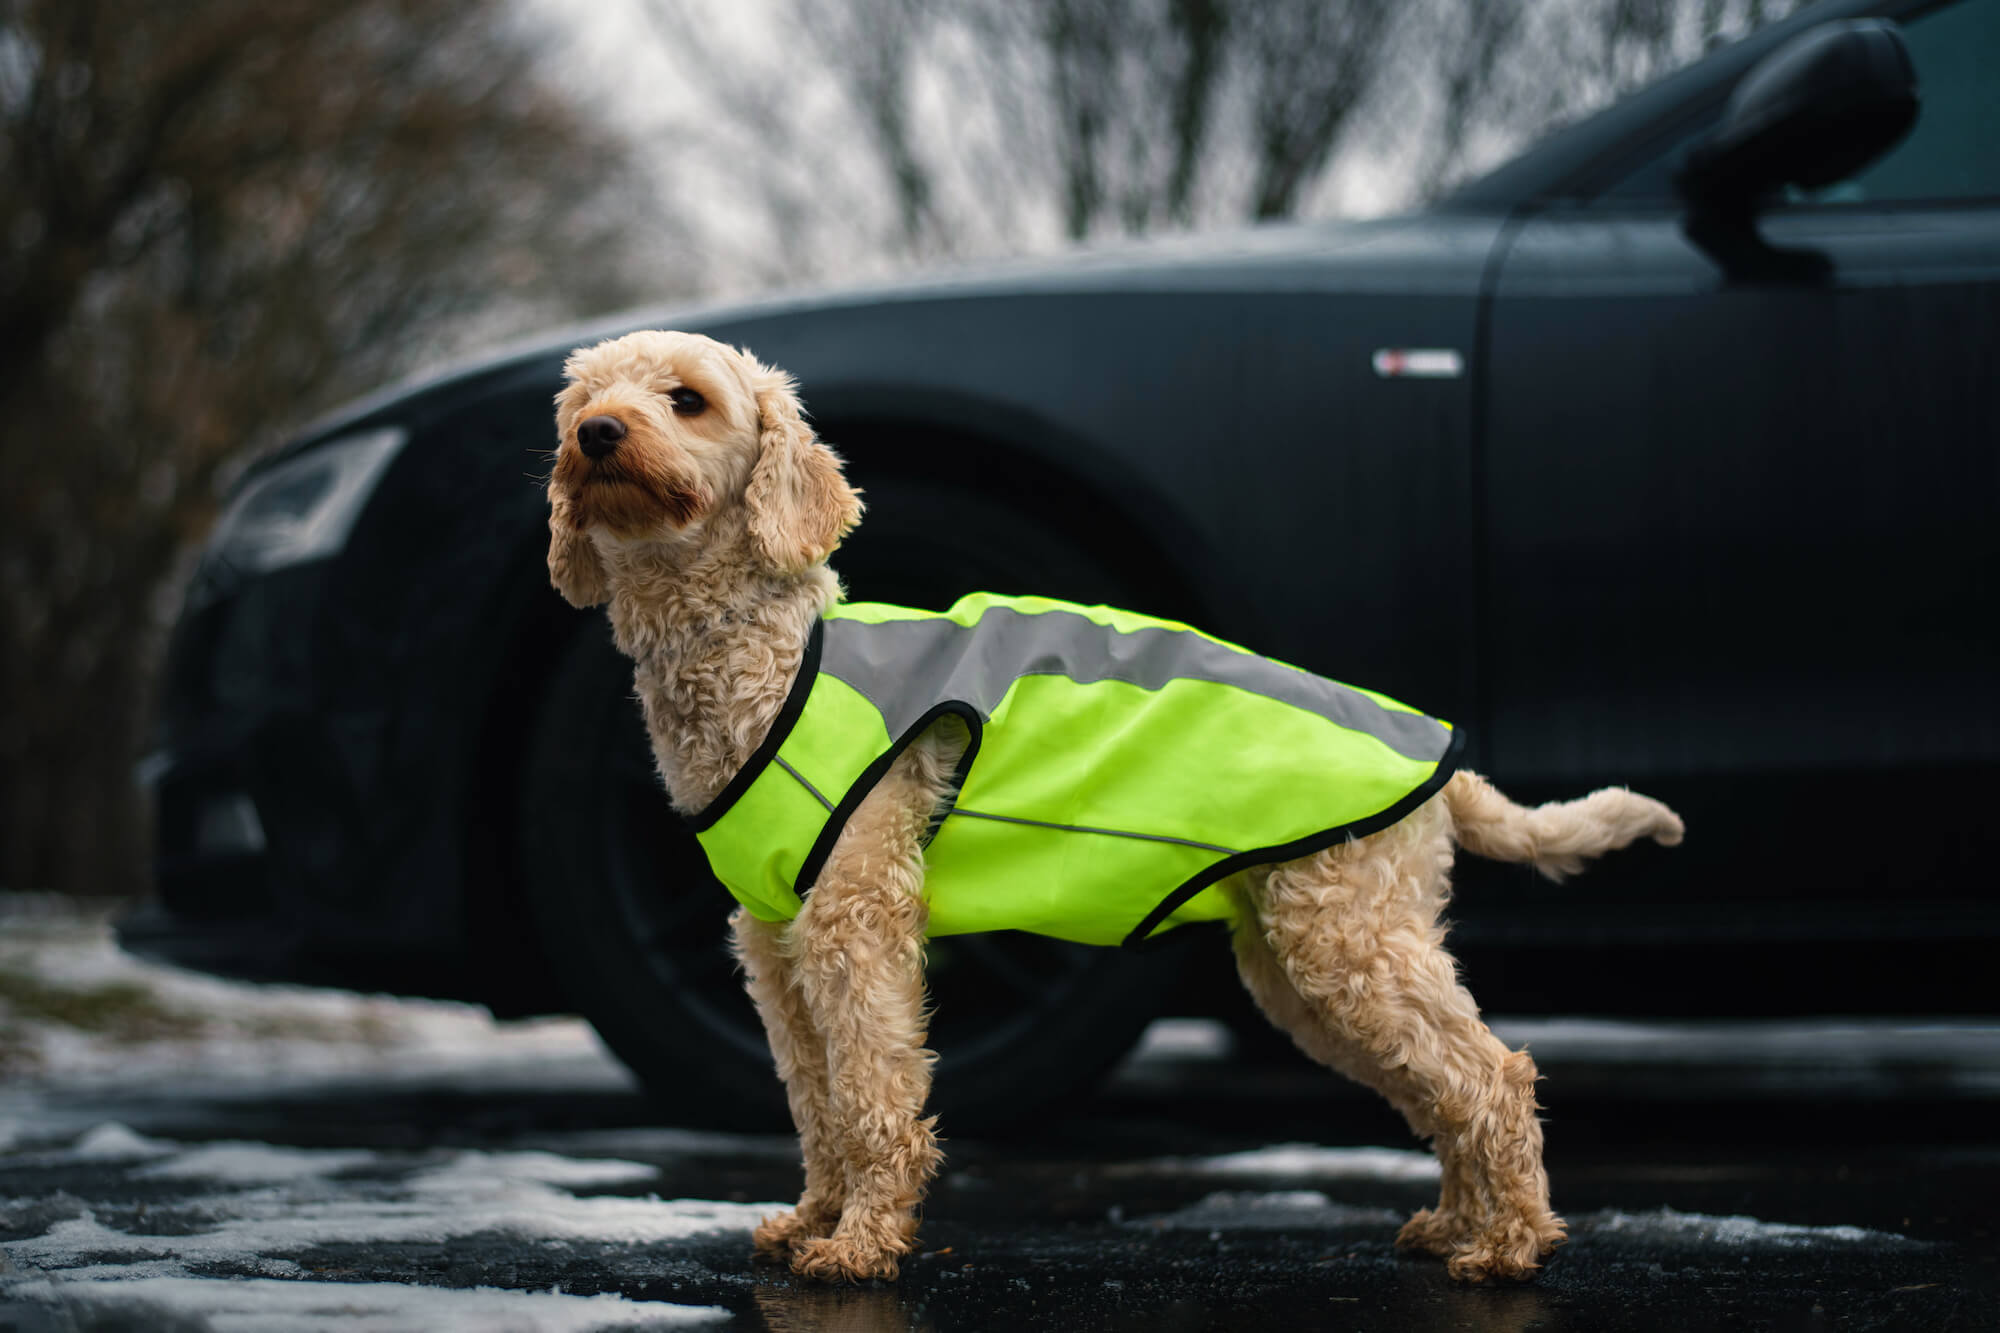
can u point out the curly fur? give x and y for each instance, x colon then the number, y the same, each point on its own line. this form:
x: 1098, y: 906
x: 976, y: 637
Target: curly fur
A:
x: 707, y: 533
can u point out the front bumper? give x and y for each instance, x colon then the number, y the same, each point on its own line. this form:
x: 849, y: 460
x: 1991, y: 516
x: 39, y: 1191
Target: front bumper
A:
x: 232, y: 901
x: 272, y: 859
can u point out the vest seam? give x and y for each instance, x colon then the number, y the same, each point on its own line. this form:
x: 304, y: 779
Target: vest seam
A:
x: 779, y: 760
x: 1086, y: 828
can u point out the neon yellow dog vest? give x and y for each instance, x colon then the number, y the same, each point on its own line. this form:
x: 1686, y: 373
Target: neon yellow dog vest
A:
x: 1119, y: 766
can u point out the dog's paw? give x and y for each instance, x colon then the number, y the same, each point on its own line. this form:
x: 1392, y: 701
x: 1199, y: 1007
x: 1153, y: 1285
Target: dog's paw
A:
x: 779, y: 1234
x: 1510, y: 1252
x: 1668, y: 830
x: 1433, y: 1232
x: 841, y: 1259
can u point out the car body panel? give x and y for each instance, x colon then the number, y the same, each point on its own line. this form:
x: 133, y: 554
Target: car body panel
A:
x: 1838, y: 603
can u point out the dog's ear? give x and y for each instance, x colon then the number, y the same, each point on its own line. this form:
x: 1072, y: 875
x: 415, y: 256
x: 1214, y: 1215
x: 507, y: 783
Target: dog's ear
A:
x: 575, y: 569
x: 800, y: 503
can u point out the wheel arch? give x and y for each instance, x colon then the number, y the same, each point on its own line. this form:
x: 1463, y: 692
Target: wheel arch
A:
x: 1003, y: 454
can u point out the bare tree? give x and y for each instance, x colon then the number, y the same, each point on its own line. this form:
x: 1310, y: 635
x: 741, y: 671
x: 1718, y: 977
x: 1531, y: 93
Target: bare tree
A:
x: 1001, y: 125
x: 222, y: 216
x: 987, y: 120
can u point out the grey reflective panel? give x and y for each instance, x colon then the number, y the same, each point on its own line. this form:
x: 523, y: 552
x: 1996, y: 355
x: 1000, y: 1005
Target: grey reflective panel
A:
x: 905, y: 667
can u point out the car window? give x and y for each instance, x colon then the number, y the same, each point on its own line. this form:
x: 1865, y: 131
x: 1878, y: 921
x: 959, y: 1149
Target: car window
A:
x: 1953, y: 153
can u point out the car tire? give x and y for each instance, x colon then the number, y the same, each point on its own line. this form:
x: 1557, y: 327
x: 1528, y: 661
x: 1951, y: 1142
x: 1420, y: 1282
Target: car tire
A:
x: 636, y: 930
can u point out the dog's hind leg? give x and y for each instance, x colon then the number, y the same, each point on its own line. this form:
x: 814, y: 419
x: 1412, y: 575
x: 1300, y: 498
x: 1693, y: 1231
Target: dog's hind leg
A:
x: 1434, y: 1229
x: 860, y: 959
x: 1353, y: 931
x: 770, y: 976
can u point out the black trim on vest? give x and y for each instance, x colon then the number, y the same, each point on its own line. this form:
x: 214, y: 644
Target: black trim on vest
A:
x: 781, y: 729
x: 1306, y: 846
x: 878, y: 768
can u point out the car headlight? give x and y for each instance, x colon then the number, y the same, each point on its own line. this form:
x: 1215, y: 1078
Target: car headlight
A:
x: 300, y: 510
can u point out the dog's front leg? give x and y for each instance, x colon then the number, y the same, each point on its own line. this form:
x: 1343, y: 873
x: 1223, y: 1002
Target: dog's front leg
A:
x: 860, y: 941
x: 772, y: 980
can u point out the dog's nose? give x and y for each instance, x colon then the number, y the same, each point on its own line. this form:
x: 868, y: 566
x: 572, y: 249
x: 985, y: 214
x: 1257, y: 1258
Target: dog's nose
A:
x: 598, y: 436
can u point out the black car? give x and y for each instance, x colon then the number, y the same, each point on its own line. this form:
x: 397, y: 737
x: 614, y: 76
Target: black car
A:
x: 1663, y: 455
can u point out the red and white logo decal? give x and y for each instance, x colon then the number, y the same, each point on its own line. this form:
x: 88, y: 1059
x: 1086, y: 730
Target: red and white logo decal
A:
x: 1418, y: 363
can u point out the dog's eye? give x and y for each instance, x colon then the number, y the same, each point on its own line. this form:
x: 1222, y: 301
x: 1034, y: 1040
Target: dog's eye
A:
x: 686, y: 401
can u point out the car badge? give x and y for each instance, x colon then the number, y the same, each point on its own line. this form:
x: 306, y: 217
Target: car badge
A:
x: 1418, y: 363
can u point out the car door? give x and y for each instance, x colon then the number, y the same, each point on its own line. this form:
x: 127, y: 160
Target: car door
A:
x: 1743, y: 534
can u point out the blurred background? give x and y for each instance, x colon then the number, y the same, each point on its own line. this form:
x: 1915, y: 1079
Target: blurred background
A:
x: 220, y: 218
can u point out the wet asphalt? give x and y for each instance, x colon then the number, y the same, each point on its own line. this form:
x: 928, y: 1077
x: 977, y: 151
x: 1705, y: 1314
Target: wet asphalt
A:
x: 1704, y: 1190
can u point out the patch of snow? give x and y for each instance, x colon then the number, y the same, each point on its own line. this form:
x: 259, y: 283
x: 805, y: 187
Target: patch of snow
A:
x: 1282, y: 1210
x: 216, y: 1034
x: 1733, y: 1232
x: 267, y: 1305
x: 254, y: 1163
x: 1757, y: 1042
x: 38, y: 1138
x: 1184, y: 1039
x: 473, y: 1170
x: 1301, y: 1160
x: 113, y: 1141
x: 516, y: 1193
x: 668, y: 1142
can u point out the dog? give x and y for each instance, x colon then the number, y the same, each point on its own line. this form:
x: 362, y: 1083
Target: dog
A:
x: 689, y: 495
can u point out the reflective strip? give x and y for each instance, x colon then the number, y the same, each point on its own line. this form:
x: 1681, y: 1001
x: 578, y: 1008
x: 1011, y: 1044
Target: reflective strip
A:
x: 779, y: 760
x: 1084, y: 828
x: 978, y: 664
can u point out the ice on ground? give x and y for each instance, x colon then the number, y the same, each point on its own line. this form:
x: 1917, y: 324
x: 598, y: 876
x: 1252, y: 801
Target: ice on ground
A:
x: 1299, y: 1160
x: 271, y: 1305
x: 660, y: 1142
x: 115, y: 1142
x: 1672, y: 1227
x: 78, y: 1013
x: 472, y: 1171
x: 1968, y: 1047
x: 91, y: 1038
x: 1282, y: 1210
x: 1184, y: 1039
x: 288, y: 1201
x: 241, y: 1163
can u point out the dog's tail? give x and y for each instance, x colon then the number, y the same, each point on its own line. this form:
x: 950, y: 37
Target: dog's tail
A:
x: 1559, y: 837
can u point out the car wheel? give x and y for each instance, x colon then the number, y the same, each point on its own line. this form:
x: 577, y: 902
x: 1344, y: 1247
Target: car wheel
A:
x: 636, y: 929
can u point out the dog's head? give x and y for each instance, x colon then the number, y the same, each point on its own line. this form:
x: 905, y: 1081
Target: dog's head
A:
x: 660, y: 435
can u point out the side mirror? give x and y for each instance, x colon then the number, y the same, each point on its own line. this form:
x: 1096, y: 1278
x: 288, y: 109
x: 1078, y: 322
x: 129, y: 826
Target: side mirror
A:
x: 1814, y: 111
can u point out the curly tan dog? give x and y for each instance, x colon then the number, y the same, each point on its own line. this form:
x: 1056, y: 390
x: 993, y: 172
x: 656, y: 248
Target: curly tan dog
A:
x: 690, y: 495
